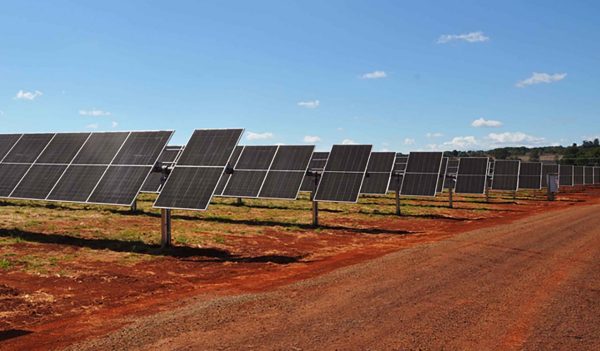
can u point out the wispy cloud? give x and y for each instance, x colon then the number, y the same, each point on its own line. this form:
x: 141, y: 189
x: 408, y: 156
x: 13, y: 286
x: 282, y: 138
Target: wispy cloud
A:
x: 28, y: 95
x: 434, y: 135
x: 473, y: 37
x: 259, y: 136
x: 309, y: 104
x: 92, y: 126
x: 462, y: 142
x: 374, y: 75
x: 311, y: 139
x: 514, y: 138
x: 489, y: 123
x: 538, y: 78
x: 409, y: 141
x: 114, y: 124
x: 348, y: 142
x: 94, y: 113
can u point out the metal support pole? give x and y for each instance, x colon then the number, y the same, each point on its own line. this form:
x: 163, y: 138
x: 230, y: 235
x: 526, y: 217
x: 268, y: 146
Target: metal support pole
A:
x: 165, y: 228
x: 133, y: 206
x: 450, y: 197
x: 515, y: 195
x: 315, y: 204
x: 239, y: 201
x: 398, y: 211
x: 487, y: 193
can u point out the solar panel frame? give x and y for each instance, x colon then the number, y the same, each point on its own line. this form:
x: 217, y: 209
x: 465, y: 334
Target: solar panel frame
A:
x: 316, y: 163
x: 578, y: 175
x: 451, y: 171
x: 473, y: 172
x: 509, y: 176
x: 442, y: 176
x: 419, y: 174
x: 344, y: 165
x: 214, y: 168
x: 275, y: 170
x: 250, y: 169
x: 566, y: 175
x: 379, y: 171
x: 530, y: 175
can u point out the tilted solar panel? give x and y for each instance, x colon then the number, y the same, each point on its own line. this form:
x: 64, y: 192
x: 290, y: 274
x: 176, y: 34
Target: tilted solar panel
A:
x: 566, y: 175
x: 344, y: 173
x: 442, y: 175
x: 471, y: 175
x: 287, y: 172
x: 451, y: 170
x: 588, y: 175
x: 194, y: 178
x: 250, y: 171
x: 506, y: 175
x: 596, y: 175
x: 530, y: 175
x: 422, y: 174
x: 79, y: 167
x: 578, y: 175
x: 317, y: 163
x: 225, y: 177
x: 379, y: 171
x: 154, y: 181
x: 7, y: 141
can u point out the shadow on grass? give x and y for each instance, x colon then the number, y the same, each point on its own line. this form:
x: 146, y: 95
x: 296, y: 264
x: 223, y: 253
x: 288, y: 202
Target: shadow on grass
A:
x: 210, y: 254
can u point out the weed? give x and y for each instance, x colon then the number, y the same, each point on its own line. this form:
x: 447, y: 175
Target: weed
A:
x: 4, y: 263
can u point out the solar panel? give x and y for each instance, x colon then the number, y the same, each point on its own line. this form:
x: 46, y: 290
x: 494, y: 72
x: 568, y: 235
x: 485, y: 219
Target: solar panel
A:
x: 421, y: 174
x: 196, y: 174
x: 596, y: 175
x: 250, y: 171
x: 317, y: 163
x: 79, y: 167
x: 287, y: 172
x: 442, y: 175
x: 154, y: 181
x: 578, y: 175
x: 530, y: 175
x: 344, y: 173
x: 588, y: 175
x: 398, y: 172
x: 565, y: 175
x: 506, y: 175
x: 7, y: 141
x: 471, y: 177
x: 379, y: 172
x: 546, y: 170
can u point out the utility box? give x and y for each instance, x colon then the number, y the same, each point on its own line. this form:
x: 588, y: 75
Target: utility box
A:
x: 553, y: 185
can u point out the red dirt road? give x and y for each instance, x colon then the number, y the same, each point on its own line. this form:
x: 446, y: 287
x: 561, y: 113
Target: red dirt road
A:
x: 531, y: 284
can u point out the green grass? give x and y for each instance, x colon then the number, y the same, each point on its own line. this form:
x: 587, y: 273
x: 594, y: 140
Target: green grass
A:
x: 4, y: 263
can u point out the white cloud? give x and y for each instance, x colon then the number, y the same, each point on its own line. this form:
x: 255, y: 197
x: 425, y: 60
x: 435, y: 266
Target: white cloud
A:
x: 434, y: 135
x: 514, y: 138
x: 259, y: 136
x: 473, y: 37
x: 114, y: 124
x: 374, y: 75
x: 311, y: 139
x: 94, y: 113
x: 309, y: 104
x: 348, y: 142
x: 1, y: 113
x: 482, y: 122
x: 27, y: 95
x: 538, y: 78
x: 462, y: 142
x: 409, y: 141
x: 92, y: 126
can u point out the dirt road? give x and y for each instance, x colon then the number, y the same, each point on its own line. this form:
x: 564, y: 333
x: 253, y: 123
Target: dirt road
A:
x: 533, y: 284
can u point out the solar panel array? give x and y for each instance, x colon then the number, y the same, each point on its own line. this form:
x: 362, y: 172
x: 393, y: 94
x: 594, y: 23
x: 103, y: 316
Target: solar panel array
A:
x: 506, y: 175
x: 273, y: 172
x: 422, y: 174
x: 578, y: 175
x: 198, y: 170
x: 379, y: 172
x: 167, y: 158
x: 100, y: 168
x: 530, y: 175
x: 596, y: 175
x: 317, y: 163
x: 566, y: 175
x: 344, y: 172
x: 588, y: 175
x: 546, y: 170
x: 471, y: 177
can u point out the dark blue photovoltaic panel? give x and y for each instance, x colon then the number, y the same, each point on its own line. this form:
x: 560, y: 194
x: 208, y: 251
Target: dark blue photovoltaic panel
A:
x: 546, y: 170
x: 7, y: 141
x: 506, y: 175
x: 422, y: 174
x: 63, y: 148
x: 28, y: 148
x: 565, y: 175
x: 210, y: 147
x: 471, y: 175
x: 100, y: 148
x: 379, y: 171
x: 142, y: 148
x: 530, y: 175
x: 344, y: 173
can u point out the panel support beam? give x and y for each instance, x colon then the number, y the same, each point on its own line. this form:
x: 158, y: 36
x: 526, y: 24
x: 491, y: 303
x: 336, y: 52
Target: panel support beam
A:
x: 165, y: 228
x: 315, y: 203
x: 450, y: 197
x: 398, y: 211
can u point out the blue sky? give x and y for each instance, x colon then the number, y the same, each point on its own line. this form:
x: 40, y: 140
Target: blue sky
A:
x: 401, y: 76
